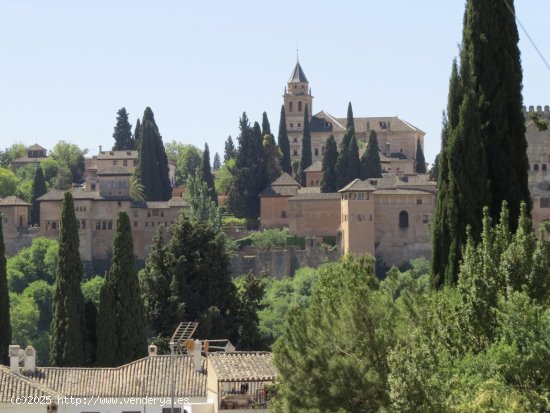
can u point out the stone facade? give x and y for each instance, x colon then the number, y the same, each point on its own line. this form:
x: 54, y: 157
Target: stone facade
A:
x: 14, y: 213
x: 35, y: 154
x: 97, y: 210
x: 274, y: 207
x: 314, y: 214
x: 314, y: 174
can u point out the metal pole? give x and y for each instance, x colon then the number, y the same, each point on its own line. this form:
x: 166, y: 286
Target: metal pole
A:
x: 173, y: 385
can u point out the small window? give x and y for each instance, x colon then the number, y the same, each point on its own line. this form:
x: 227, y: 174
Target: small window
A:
x: 316, y: 151
x: 295, y: 152
x: 104, y: 225
x: 110, y: 225
x: 536, y: 167
x: 148, y: 214
x: 283, y: 214
x: 54, y: 225
x: 425, y: 219
x: 545, y: 202
x: 299, y: 125
x: 299, y: 108
x: 134, y: 162
x: 295, y: 140
x: 543, y: 167
x: 290, y: 106
x: 125, y: 162
x: 119, y: 203
x: 291, y: 124
x: 419, y: 201
x: 83, y: 225
x: 403, y: 220
x: 93, y: 187
x: 98, y: 225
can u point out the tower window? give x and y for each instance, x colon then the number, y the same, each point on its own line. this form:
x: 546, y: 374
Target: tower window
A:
x: 295, y: 152
x: 316, y: 151
x: 544, y: 167
x: 299, y: 125
x: 290, y: 106
x: 536, y: 167
x: 299, y: 106
x: 291, y: 124
x: 403, y: 220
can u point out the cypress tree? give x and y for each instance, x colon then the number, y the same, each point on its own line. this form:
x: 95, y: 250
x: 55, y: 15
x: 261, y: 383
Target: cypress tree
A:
x: 206, y: 174
x: 67, y: 333
x: 354, y: 163
x: 122, y: 339
x: 329, y: 182
x: 420, y: 160
x: 370, y: 160
x: 123, y: 132
x: 217, y: 162
x: 160, y: 158
x: 490, y: 49
x: 137, y: 134
x: 229, y: 150
x: 350, y: 125
x: 306, y: 158
x: 266, y: 127
x: 284, y: 144
x: 261, y: 162
x: 342, y: 167
x: 90, y: 338
x: 38, y: 189
x: 147, y: 171
x: 5, y: 324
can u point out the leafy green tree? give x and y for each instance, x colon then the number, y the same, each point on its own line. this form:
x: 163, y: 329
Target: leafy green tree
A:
x: 121, y: 334
x: 283, y: 143
x: 5, y: 325
x: 17, y: 150
x: 67, y: 342
x: 49, y: 168
x: 330, y: 180
x: 225, y: 177
x: 230, y: 152
x: 196, y: 264
x: 123, y: 132
x: 434, y: 171
x: 370, y: 160
x: 91, y: 289
x: 41, y: 293
x: 206, y: 174
x: 8, y: 183
x: 38, y: 189
x: 216, y: 164
x: 250, y: 293
x: 419, y: 159
x: 202, y: 208
x: 187, y: 159
x: 306, y: 158
x: 70, y: 156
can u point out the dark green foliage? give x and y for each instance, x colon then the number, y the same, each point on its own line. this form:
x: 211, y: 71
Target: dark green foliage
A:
x: 187, y: 159
x: 284, y: 144
x: 67, y: 335
x: 206, y: 174
x: 69, y: 156
x: 230, y: 152
x: 41, y: 293
x: 251, y: 292
x: 266, y: 127
x: 38, y: 189
x: 137, y: 134
x: 434, y: 171
x: 306, y: 158
x: 419, y: 159
x: 123, y: 132
x: 330, y: 180
x: 5, y: 325
x: 195, y: 263
x: 370, y: 160
x: 152, y: 171
x: 271, y: 152
x: 350, y: 124
x: 121, y: 335
x: 90, y: 337
x: 344, y: 172
x: 354, y: 163
x: 249, y: 173
x: 216, y: 164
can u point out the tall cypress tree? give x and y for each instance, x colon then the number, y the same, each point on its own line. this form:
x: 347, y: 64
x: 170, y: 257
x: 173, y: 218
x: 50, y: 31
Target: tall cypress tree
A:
x: 38, y: 189
x: 67, y: 332
x: 441, y: 237
x: 121, y: 324
x: 123, y: 132
x: 284, y: 144
x: 229, y: 150
x: 137, y: 134
x: 206, y: 174
x: 5, y: 324
x: 370, y: 160
x: 147, y: 171
x: 266, y: 127
x: 216, y: 164
x: 342, y: 165
x: 354, y: 163
x: 306, y: 158
x: 350, y: 124
x: 329, y: 182
x: 261, y: 163
x: 420, y: 160
x: 490, y: 47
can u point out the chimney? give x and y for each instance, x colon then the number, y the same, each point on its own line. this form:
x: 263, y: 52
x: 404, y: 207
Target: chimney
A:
x: 196, y: 354
x: 30, y: 360
x: 15, y: 353
x: 100, y: 148
x: 152, y: 350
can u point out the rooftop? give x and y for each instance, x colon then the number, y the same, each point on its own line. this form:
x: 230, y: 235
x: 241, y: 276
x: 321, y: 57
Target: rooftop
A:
x: 285, y: 185
x: 36, y: 147
x: 357, y: 185
x: 316, y: 166
x: 14, y: 385
x: 13, y: 201
x: 315, y: 196
x: 133, y: 154
x: 114, y: 170
x: 365, y: 124
x: 298, y: 75
x: 243, y: 366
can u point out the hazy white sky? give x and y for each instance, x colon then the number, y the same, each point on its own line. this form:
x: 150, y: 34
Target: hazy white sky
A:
x: 66, y: 67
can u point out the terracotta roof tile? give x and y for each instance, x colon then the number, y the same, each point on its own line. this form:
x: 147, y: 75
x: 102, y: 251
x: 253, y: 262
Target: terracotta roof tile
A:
x: 15, y: 385
x: 243, y: 366
x: 13, y: 200
x: 316, y: 166
x: 114, y: 170
x: 357, y: 185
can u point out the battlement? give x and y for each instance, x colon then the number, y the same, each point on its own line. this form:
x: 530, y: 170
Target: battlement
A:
x: 538, y: 109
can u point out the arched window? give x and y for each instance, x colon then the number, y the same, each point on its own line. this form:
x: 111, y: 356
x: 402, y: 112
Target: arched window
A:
x: 403, y: 219
x: 290, y: 106
x: 536, y: 167
x: 299, y: 106
x: 544, y: 167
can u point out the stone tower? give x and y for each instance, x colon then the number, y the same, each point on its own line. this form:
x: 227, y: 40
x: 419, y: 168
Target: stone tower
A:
x: 297, y: 95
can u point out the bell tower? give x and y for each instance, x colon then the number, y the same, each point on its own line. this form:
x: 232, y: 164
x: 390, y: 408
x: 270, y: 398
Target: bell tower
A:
x: 297, y: 96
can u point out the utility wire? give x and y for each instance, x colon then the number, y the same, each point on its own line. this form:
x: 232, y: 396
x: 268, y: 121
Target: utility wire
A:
x: 527, y: 34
